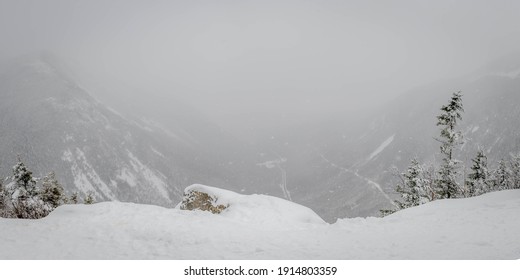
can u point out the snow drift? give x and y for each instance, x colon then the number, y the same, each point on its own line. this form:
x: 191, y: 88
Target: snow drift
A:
x: 263, y: 210
x: 264, y: 227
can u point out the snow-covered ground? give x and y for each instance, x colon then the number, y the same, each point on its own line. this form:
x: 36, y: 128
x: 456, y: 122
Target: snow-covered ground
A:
x: 264, y: 227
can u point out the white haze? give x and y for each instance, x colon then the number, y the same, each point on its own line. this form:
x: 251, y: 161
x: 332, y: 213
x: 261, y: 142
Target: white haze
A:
x: 243, y: 60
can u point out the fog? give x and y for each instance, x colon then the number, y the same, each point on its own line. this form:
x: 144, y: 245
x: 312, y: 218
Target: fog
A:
x: 242, y: 60
x: 323, y: 103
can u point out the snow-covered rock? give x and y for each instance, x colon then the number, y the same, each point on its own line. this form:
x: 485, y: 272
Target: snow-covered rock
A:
x: 255, y: 209
x: 199, y: 200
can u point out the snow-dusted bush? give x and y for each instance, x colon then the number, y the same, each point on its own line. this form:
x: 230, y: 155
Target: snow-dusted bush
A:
x: 30, y: 208
x: 89, y: 199
x: 73, y: 198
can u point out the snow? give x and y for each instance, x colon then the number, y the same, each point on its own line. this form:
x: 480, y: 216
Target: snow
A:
x: 126, y: 176
x: 261, y: 210
x: 135, y: 174
x: 374, y: 185
x: 155, y: 180
x: 381, y: 147
x: 68, y: 138
x: 272, y: 163
x: 86, y: 179
x: 157, y: 152
x: 263, y: 227
x: 268, y: 164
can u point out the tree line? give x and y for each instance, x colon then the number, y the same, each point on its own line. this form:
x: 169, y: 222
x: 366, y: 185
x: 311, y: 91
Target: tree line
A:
x: 27, y: 197
x: 424, y: 183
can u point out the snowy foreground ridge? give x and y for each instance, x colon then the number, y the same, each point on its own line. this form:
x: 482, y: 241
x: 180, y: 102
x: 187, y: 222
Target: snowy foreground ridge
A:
x: 264, y: 227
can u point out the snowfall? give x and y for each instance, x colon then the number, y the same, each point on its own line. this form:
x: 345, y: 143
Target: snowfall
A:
x: 265, y: 227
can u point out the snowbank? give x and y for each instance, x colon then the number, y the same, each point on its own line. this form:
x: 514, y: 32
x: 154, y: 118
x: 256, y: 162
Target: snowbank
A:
x: 485, y: 227
x: 260, y: 210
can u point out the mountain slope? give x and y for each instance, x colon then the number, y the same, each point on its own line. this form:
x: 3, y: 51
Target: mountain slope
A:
x: 53, y: 124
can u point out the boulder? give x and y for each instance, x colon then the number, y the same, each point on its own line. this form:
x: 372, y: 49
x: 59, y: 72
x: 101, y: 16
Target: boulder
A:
x: 198, y: 200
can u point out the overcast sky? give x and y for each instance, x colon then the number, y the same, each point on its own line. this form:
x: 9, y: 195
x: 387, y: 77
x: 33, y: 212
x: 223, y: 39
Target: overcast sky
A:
x: 230, y: 57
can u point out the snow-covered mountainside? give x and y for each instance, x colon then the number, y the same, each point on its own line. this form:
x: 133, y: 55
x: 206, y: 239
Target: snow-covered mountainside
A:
x: 344, y: 168
x: 490, y: 118
x: 53, y: 124
x: 264, y: 227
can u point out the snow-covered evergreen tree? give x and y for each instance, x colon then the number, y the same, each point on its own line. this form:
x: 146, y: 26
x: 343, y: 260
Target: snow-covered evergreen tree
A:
x: 25, y: 183
x: 430, y: 176
x: 22, y: 196
x: 501, y: 177
x: 74, y: 198
x: 413, y: 186
x: 3, y: 200
x: 89, y: 199
x: 51, y: 192
x: 514, y: 179
x: 478, y: 178
x: 447, y: 185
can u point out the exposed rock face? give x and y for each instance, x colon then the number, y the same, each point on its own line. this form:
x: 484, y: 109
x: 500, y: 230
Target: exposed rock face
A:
x: 196, y: 200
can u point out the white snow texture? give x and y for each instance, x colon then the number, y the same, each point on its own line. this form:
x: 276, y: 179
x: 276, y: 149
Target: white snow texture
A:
x: 381, y: 147
x: 265, y: 227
